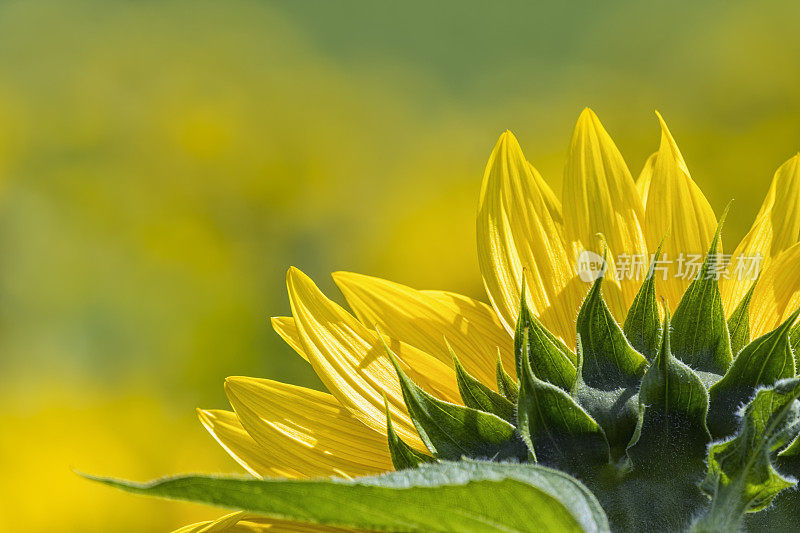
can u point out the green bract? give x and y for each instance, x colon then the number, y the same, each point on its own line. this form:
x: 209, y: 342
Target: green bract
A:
x: 677, y: 424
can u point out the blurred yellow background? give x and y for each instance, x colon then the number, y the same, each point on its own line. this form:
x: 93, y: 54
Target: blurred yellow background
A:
x: 163, y: 162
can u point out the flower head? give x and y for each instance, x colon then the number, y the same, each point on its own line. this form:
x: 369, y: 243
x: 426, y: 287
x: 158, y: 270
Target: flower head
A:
x: 620, y: 342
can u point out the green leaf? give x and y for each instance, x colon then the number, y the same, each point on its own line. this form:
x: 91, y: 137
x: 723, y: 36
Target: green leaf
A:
x: 470, y: 496
x: 699, y: 331
x: 452, y: 431
x: 505, y: 383
x: 549, y: 356
x: 609, y: 361
x: 556, y: 429
x: 741, y: 476
x: 739, y: 323
x: 478, y: 396
x: 671, y: 435
x: 642, y: 325
x: 403, y: 455
x: 762, y: 362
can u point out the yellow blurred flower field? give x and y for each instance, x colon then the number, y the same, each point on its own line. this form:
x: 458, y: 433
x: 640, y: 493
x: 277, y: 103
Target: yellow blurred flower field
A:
x: 163, y: 163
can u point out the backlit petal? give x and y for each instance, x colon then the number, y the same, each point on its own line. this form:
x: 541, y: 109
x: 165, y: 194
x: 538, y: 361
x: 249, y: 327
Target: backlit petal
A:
x: 226, y: 429
x: 776, y: 228
x: 307, y: 429
x: 286, y: 328
x: 600, y: 196
x: 424, y: 321
x: 551, y: 201
x: 351, y: 360
x: 516, y: 231
x: 678, y: 210
x: 777, y: 293
x: 643, y: 181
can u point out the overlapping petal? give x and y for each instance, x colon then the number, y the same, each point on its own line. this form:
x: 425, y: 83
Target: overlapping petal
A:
x: 481, y: 316
x: 424, y: 319
x: 228, y: 522
x: 777, y: 293
x: 226, y: 429
x: 309, y: 430
x: 517, y: 231
x: 551, y: 201
x: 602, y: 198
x: 287, y: 329
x: 678, y: 210
x: 776, y: 228
x: 643, y: 181
x: 351, y: 360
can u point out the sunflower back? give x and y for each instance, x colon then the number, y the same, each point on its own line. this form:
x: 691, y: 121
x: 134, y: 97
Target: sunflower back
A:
x: 674, y: 423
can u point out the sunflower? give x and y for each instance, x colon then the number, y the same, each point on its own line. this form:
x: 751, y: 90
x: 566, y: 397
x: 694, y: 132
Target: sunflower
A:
x: 446, y: 349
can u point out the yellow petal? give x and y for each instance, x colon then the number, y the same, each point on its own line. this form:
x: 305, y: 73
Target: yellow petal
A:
x: 308, y: 430
x: 286, y: 328
x: 677, y: 209
x: 601, y: 197
x: 643, y: 181
x: 777, y: 292
x: 551, y: 201
x: 241, y: 522
x: 352, y: 363
x: 776, y: 228
x: 483, y: 318
x: 424, y: 321
x: 226, y: 429
x: 516, y: 231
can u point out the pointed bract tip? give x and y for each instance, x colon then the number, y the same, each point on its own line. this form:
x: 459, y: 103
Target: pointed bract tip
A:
x: 450, y: 349
x: 386, y: 407
x: 389, y: 353
x: 725, y: 211
x: 720, y: 224
x: 604, y: 243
